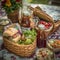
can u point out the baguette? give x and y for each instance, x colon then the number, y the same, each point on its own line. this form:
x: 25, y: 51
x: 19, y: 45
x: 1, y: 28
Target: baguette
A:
x: 41, y: 14
x: 10, y: 32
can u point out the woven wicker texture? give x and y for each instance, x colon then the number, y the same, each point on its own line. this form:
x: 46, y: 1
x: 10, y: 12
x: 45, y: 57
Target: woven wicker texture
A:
x: 21, y: 50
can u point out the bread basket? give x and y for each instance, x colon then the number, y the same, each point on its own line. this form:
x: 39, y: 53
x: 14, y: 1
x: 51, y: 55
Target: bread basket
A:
x: 21, y: 50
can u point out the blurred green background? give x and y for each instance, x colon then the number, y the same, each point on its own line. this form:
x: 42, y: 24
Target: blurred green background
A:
x: 40, y: 1
x: 49, y: 2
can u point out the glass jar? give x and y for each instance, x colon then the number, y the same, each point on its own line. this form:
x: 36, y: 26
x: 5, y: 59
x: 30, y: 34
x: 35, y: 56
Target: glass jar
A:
x: 3, y: 23
x: 25, y: 19
x: 41, y: 42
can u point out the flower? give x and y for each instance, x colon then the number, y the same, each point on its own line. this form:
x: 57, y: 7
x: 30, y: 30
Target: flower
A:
x: 11, y: 5
x: 8, y: 3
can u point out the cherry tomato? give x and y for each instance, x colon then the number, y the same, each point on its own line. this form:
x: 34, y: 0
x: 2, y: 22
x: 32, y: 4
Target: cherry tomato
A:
x: 43, y: 22
x: 49, y: 24
x: 47, y: 27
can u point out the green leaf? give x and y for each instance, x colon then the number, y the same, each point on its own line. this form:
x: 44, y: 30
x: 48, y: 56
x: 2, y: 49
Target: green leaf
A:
x: 14, y: 6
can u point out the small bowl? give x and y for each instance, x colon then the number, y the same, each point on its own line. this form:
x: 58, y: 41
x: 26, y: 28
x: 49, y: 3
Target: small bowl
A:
x: 3, y: 23
x: 45, y: 54
x: 54, y: 49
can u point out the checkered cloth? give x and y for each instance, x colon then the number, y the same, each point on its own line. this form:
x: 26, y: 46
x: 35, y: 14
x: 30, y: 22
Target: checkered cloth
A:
x: 54, y: 12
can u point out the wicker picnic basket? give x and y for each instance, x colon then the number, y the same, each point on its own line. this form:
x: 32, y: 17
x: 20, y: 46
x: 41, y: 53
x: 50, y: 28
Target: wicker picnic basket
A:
x: 21, y: 50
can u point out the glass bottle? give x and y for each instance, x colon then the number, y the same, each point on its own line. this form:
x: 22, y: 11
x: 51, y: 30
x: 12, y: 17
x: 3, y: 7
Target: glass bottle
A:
x: 27, y: 14
x: 41, y: 41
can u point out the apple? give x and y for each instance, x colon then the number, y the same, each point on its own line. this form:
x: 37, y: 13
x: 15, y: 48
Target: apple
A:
x: 28, y: 41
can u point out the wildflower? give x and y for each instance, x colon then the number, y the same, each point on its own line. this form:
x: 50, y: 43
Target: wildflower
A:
x: 8, y: 3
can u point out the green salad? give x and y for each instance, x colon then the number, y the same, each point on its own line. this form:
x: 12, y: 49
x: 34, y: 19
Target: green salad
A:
x: 30, y: 36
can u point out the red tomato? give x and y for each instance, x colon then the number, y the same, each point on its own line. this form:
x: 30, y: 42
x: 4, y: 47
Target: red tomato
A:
x: 41, y: 22
x: 49, y: 24
x: 47, y: 27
